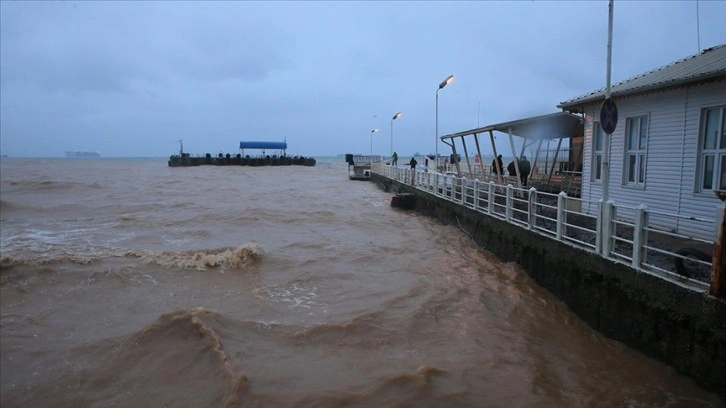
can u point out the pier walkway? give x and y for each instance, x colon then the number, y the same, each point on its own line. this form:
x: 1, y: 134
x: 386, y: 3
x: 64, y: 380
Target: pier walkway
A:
x: 637, y: 236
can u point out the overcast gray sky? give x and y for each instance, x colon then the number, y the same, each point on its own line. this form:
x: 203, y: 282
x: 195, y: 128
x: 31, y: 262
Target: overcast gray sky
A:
x: 131, y: 78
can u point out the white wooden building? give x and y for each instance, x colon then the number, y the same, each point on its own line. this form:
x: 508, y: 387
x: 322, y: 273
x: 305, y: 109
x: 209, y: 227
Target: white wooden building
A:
x: 668, y: 150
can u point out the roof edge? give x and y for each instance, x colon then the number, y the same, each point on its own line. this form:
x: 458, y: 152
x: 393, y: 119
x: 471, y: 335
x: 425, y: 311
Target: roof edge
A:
x: 600, y: 95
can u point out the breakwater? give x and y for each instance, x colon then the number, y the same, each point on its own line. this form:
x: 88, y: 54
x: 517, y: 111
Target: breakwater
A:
x: 683, y: 328
x: 185, y: 160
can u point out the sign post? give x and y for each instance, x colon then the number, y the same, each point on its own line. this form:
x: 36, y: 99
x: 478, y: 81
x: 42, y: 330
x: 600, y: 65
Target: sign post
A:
x: 610, y: 113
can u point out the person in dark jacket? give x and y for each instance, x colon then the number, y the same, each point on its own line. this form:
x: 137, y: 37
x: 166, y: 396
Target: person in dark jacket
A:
x: 511, y: 169
x: 497, y: 165
x: 524, y: 169
x: 413, y: 164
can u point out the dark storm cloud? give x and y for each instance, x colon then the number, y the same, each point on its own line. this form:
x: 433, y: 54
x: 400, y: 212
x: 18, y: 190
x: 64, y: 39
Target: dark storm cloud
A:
x: 224, y: 49
x: 50, y: 46
x: 107, y: 47
x: 131, y: 78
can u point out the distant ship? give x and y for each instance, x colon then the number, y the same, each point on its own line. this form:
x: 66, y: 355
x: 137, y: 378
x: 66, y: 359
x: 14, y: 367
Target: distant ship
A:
x: 79, y: 153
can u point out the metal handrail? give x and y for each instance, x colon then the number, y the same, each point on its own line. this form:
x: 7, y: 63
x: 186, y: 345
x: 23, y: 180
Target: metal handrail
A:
x: 529, y: 209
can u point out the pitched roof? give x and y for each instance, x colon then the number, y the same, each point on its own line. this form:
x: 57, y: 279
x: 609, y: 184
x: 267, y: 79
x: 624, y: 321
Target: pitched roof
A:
x: 708, y: 64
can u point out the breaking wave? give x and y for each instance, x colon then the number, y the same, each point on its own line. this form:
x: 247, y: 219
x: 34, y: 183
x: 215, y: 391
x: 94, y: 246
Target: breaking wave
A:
x: 234, y: 258
x: 179, y: 360
x: 49, y: 185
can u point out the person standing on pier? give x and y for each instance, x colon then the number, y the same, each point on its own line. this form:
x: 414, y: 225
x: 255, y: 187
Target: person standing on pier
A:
x: 497, y: 165
x: 394, y: 159
x: 413, y: 164
x: 524, y: 170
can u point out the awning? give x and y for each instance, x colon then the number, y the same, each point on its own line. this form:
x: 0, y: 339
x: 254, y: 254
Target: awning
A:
x: 553, y: 126
x: 263, y: 145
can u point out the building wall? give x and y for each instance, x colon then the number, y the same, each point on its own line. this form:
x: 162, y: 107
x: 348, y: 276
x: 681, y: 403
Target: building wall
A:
x: 672, y: 157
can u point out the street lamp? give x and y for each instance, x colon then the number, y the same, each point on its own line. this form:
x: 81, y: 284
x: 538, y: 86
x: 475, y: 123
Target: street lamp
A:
x: 441, y: 86
x: 372, y: 132
x: 396, y: 116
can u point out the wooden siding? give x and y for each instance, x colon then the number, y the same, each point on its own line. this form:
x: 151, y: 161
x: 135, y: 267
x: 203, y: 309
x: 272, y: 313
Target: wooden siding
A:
x: 671, y: 159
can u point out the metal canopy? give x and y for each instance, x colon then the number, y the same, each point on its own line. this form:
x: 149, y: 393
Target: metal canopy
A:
x: 560, y: 125
x: 553, y: 126
x: 263, y: 145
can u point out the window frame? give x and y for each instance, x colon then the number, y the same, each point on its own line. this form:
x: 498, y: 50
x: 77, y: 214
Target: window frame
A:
x: 595, y: 165
x: 717, y: 153
x: 639, y: 153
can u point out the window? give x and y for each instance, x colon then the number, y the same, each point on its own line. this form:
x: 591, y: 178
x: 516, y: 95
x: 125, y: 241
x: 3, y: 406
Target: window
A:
x: 712, y: 150
x: 636, y: 144
x: 597, y: 141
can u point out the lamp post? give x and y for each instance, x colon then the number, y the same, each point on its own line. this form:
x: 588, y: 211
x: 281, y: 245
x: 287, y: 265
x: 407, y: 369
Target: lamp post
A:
x: 441, y: 86
x: 372, y: 132
x: 396, y: 116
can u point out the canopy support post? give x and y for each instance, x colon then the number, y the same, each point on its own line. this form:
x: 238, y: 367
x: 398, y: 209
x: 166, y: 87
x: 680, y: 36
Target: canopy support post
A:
x: 481, y: 158
x: 516, y: 159
x: 500, y: 174
x: 466, y: 154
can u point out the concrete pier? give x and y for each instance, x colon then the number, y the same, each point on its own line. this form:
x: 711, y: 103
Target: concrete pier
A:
x: 238, y: 160
x: 674, y: 324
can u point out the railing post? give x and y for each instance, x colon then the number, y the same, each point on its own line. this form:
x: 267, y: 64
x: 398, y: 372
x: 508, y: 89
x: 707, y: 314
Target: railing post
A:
x: 561, y: 214
x: 463, y: 190
x: 532, y: 207
x: 450, y: 190
x: 639, y: 235
x: 598, y: 228
x: 476, y: 194
x: 490, y: 197
x: 718, y: 262
x: 508, y: 209
x: 608, y: 215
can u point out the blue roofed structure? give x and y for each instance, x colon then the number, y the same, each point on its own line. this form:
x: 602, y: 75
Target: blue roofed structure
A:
x: 266, y: 147
x: 263, y: 145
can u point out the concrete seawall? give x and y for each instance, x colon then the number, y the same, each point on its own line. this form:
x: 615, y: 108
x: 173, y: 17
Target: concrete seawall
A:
x: 675, y: 325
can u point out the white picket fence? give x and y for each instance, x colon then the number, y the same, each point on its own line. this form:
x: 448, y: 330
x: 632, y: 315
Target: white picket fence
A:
x: 635, y: 236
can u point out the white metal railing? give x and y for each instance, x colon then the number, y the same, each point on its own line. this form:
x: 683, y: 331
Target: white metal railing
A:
x: 637, y: 236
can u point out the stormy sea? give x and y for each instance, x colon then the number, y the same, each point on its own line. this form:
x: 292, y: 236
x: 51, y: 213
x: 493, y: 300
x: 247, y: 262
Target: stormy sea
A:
x: 127, y: 283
